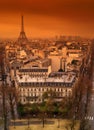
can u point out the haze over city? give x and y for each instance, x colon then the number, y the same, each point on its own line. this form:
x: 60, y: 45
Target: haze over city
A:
x: 47, y: 18
x: 46, y: 65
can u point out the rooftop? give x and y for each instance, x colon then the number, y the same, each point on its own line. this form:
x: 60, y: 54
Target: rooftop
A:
x: 29, y: 80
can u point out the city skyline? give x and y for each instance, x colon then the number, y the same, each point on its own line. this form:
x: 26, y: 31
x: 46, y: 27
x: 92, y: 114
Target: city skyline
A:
x: 47, y: 18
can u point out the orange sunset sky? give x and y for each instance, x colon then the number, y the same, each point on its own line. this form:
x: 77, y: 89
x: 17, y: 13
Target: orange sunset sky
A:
x: 47, y: 18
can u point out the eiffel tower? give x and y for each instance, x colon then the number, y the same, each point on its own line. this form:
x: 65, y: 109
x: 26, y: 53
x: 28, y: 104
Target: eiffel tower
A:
x: 22, y: 39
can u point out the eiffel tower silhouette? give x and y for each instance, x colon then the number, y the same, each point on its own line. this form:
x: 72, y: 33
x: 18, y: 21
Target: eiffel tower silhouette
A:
x: 22, y: 39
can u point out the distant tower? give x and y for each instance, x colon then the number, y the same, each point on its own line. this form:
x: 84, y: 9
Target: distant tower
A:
x: 22, y: 38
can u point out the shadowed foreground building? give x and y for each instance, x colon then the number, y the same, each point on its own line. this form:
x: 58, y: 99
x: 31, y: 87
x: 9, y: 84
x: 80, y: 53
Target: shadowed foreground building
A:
x: 33, y: 86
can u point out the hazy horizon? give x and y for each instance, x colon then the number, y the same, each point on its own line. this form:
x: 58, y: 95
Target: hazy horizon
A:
x: 47, y: 18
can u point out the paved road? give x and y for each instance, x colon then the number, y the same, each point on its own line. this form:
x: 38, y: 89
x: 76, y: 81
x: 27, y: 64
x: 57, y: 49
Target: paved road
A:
x: 34, y: 122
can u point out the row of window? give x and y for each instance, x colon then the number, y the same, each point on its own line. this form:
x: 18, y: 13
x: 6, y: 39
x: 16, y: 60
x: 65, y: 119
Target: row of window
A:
x: 31, y: 74
x: 46, y: 84
x: 24, y: 99
x: 32, y: 100
x: 43, y: 89
x: 33, y: 70
x: 40, y: 94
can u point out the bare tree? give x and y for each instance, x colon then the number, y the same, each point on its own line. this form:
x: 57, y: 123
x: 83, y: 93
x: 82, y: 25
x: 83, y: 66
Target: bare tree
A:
x: 8, y: 93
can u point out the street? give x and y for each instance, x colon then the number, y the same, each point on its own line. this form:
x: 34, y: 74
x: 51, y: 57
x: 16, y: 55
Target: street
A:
x: 90, y: 115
